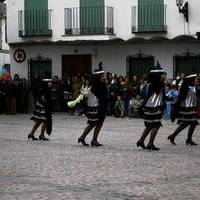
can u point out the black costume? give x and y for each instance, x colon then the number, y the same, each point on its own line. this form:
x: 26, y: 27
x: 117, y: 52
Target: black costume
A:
x: 152, y: 108
x: 186, y: 110
x: 96, y: 107
x: 42, y: 112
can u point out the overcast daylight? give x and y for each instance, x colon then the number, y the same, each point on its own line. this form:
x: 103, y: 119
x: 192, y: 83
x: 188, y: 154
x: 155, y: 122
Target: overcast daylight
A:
x: 99, y: 99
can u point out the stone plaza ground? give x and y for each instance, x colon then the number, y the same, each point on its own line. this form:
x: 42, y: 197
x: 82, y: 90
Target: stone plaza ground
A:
x: 61, y: 169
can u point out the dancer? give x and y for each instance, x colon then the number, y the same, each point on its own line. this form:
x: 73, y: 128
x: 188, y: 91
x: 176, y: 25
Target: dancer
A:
x: 96, y: 107
x: 185, y: 110
x: 152, y: 108
x: 42, y: 112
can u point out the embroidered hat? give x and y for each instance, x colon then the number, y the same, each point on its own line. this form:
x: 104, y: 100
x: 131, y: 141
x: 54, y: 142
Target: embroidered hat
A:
x: 191, y: 75
x: 47, y: 80
x: 157, y: 69
x: 98, y: 72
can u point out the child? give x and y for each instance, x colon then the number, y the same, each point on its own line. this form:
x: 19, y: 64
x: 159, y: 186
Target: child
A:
x: 134, y: 106
x: 119, y: 107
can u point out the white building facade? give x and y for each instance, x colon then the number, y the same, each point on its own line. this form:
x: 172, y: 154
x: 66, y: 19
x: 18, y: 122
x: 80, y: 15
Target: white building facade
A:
x: 4, y: 48
x: 129, y: 36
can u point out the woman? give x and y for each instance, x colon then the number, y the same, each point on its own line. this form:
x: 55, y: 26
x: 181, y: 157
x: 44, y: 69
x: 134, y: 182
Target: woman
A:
x: 153, y: 106
x: 42, y: 112
x: 185, y: 110
x: 96, y: 108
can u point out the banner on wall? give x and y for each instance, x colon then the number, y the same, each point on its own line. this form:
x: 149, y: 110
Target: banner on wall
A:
x: 5, y: 73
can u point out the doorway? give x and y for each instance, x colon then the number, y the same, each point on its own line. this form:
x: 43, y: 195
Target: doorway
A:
x: 74, y: 64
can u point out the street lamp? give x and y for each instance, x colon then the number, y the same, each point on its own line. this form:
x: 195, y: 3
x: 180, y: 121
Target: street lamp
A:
x: 183, y: 8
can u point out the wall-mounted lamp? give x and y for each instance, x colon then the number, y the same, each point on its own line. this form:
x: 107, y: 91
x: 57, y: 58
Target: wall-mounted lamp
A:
x: 183, y: 8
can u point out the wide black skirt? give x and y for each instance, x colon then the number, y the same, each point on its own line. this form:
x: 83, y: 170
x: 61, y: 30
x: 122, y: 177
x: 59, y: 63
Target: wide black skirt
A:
x: 187, y: 115
x: 152, y: 116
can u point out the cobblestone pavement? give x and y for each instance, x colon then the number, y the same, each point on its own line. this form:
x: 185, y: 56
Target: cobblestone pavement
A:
x: 61, y: 169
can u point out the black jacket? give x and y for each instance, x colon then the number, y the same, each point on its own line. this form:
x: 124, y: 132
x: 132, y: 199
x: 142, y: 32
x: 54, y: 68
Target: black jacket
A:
x: 100, y: 91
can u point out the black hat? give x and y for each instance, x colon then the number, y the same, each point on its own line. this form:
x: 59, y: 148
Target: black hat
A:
x: 191, y: 75
x: 98, y: 72
x: 47, y: 80
x: 157, y: 69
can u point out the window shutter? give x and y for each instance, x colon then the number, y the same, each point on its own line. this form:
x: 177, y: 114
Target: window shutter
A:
x: 151, y: 15
x: 92, y: 16
x: 36, y: 17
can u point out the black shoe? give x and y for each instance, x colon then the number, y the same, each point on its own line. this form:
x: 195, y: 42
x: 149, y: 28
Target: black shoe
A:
x: 141, y: 144
x: 96, y: 144
x: 82, y: 142
x: 190, y: 142
x: 43, y: 138
x: 32, y: 137
x: 171, y: 139
x: 152, y: 147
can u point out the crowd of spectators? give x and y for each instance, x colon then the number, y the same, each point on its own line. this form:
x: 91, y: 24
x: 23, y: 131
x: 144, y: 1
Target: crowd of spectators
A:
x: 125, y: 94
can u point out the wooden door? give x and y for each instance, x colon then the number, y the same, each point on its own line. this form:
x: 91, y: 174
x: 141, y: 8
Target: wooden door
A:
x: 73, y: 64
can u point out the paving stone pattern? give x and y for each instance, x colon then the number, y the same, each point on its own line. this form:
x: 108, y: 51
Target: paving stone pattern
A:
x: 62, y: 169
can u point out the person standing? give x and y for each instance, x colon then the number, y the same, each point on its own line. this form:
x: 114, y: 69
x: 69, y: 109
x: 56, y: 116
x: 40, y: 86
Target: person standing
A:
x: 96, y: 108
x: 185, y: 110
x: 42, y: 112
x: 152, y: 108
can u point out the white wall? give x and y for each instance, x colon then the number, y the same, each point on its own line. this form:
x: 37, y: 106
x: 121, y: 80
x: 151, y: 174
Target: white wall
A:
x: 115, y: 57
x: 122, y: 20
x: 4, y: 59
x: 3, y: 29
x: 112, y: 56
x: 53, y: 52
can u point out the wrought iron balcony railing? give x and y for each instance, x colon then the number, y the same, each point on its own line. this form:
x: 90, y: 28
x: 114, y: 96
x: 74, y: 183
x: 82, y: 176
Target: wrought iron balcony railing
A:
x: 35, y: 23
x: 149, y: 18
x: 89, y: 20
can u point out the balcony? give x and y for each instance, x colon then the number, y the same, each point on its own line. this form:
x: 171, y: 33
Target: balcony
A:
x: 35, y: 23
x: 89, y: 21
x: 149, y: 19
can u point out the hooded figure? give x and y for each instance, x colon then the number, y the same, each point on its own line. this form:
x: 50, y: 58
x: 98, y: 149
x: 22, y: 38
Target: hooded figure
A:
x: 96, y: 107
x: 153, y: 107
x: 185, y: 109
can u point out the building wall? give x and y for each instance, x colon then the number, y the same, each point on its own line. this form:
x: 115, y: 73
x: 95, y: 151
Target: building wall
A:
x: 113, y: 56
x: 5, y: 45
x: 122, y: 20
x: 4, y: 49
